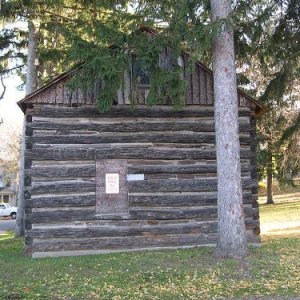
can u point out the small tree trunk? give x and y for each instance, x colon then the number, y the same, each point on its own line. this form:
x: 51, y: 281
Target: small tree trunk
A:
x: 20, y: 222
x: 269, y: 179
x: 31, y: 85
x: 231, y: 225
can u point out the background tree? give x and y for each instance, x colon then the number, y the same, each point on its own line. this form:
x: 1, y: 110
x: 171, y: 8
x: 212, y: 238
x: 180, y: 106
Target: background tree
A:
x: 269, y: 57
x: 38, y: 59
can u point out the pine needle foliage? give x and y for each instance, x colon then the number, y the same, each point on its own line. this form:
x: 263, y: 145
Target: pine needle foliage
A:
x: 106, y: 44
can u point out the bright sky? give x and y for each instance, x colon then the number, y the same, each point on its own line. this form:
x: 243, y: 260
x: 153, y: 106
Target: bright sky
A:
x: 9, y: 110
x: 11, y: 116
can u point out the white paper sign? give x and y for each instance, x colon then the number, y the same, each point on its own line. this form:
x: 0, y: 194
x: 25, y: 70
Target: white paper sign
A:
x: 112, y: 183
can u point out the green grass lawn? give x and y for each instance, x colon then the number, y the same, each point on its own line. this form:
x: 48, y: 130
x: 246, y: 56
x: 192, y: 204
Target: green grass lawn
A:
x: 272, y: 270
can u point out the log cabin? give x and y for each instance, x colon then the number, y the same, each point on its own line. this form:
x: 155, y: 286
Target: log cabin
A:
x: 134, y: 177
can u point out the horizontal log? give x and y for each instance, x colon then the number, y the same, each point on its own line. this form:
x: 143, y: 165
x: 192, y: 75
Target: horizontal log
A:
x: 164, y: 200
x: 88, y: 153
x: 157, y: 153
x: 60, y: 111
x: 125, y: 138
x: 123, y: 231
x: 118, y: 231
x: 180, y: 199
x: 126, y: 222
x: 181, y: 185
x: 203, y: 213
x: 62, y: 126
x: 162, y: 185
x: 62, y: 201
x: 53, y: 216
x: 118, y: 243
x: 173, y: 169
x: 60, y: 154
x: 88, y: 170
x: 141, y: 137
x: 185, y: 137
x: 72, y: 186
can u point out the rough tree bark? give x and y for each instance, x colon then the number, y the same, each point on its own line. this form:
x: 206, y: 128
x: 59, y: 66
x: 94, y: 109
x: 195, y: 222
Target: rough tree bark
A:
x: 31, y: 85
x: 231, y: 225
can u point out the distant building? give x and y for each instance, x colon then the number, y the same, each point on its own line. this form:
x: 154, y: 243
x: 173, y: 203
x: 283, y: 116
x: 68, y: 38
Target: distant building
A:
x: 7, y: 186
x: 7, y: 195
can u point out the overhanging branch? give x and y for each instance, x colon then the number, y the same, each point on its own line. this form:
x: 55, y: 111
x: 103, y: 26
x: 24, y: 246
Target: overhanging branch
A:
x: 3, y: 86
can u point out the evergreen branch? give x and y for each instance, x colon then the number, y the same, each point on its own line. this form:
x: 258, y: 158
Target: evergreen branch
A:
x: 6, y: 71
x: 53, y: 14
x: 286, y: 135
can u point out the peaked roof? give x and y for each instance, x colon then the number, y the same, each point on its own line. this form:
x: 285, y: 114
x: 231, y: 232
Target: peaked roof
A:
x: 259, y: 108
x: 6, y: 190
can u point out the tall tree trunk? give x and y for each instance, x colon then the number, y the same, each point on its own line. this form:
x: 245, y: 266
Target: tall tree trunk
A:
x: 269, y: 177
x: 231, y: 225
x: 31, y: 75
x: 31, y: 85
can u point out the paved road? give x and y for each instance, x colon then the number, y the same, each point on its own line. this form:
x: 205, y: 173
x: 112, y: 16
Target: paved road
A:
x: 7, y: 225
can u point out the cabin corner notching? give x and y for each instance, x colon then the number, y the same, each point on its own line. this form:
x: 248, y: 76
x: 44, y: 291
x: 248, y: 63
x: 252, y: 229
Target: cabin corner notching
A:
x: 126, y: 179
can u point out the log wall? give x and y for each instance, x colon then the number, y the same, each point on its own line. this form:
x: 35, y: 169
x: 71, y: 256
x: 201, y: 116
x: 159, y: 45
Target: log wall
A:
x: 174, y: 206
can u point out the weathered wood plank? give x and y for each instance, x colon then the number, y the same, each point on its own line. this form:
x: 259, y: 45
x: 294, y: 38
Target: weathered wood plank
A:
x: 67, y: 96
x: 202, y: 86
x: 185, y: 137
x: 88, y: 153
x: 62, y: 201
x: 61, y: 154
x: 177, y: 168
x: 179, y: 199
x: 173, y: 168
x: 118, y: 231
x: 62, y: 187
x: 181, y: 185
x: 60, y: 93
x: 88, y: 170
x: 189, y: 88
x: 59, y: 111
x: 127, y: 223
x: 52, y: 216
x: 90, y: 97
x: 156, y: 153
x: 209, y: 89
x: 196, y: 87
x: 125, y: 242
x: 128, y: 231
x: 203, y: 213
x: 196, y: 125
x: 150, y: 200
